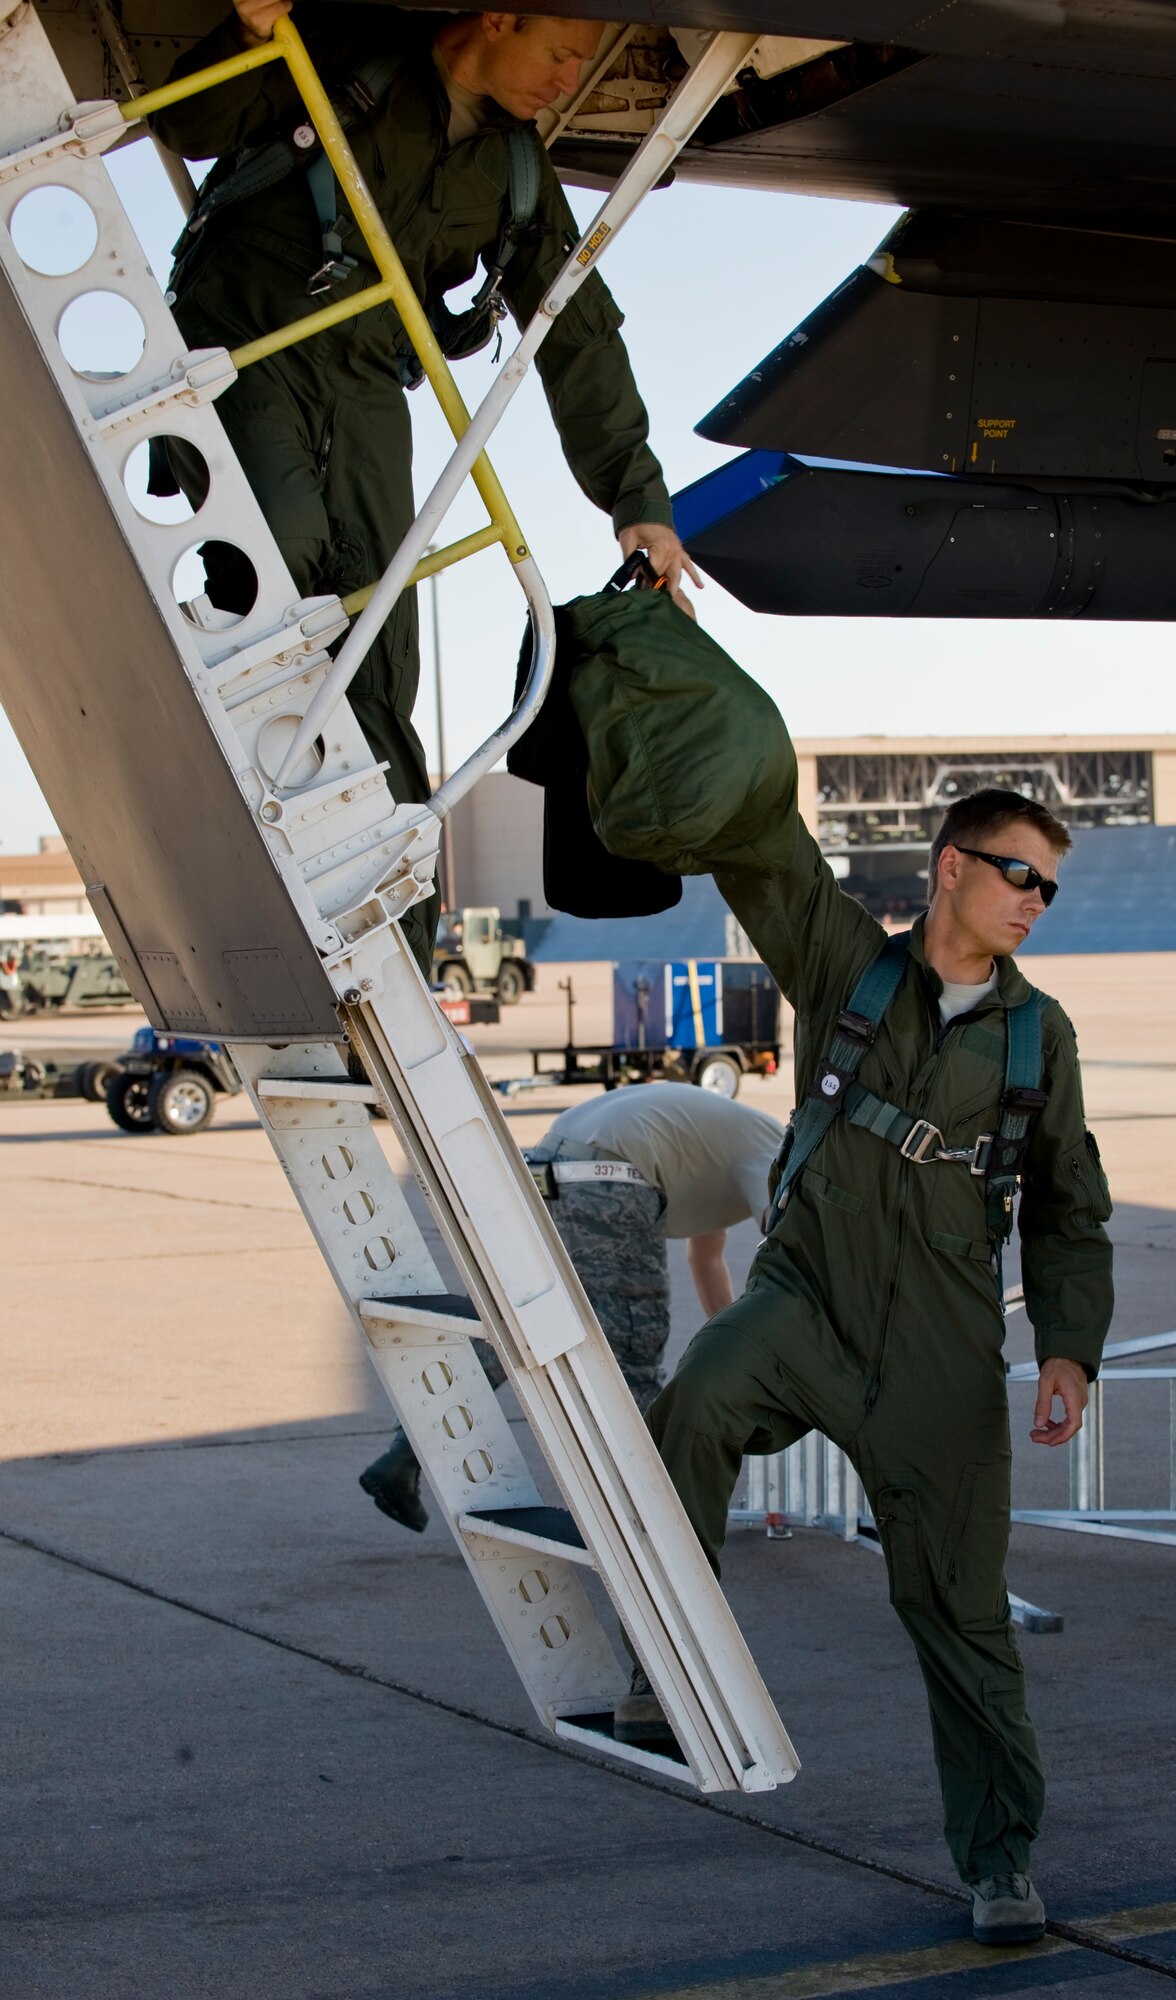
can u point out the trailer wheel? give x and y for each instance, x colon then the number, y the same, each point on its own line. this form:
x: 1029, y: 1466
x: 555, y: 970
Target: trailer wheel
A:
x: 128, y: 1100
x: 510, y: 984
x: 182, y: 1102
x: 720, y: 1074
x: 93, y: 1078
x: 455, y: 978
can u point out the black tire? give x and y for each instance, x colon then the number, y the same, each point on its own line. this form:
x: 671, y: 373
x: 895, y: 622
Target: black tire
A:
x: 93, y: 1078
x: 510, y: 984
x: 182, y: 1102
x: 455, y: 978
x: 719, y: 1073
x: 128, y: 1100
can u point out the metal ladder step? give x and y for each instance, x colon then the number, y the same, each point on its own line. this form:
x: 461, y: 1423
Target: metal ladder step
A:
x: 323, y: 1090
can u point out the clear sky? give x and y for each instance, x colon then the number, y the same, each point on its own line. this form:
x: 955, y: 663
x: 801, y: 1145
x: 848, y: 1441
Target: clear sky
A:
x: 710, y: 280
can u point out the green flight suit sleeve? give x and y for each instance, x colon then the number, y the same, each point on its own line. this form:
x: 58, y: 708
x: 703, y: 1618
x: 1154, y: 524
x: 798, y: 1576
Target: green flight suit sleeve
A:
x: 1065, y: 1250
x: 250, y: 110
x: 813, y: 939
x: 587, y: 377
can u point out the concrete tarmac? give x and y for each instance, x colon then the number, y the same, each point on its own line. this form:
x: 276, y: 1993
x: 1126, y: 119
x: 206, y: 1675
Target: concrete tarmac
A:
x: 257, y: 1741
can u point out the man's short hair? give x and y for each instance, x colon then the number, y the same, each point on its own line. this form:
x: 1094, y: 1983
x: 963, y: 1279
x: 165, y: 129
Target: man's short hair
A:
x: 977, y: 820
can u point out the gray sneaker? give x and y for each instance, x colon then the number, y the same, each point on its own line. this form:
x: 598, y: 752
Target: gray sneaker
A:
x: 638, y: 1716
x: 1006, y: 1909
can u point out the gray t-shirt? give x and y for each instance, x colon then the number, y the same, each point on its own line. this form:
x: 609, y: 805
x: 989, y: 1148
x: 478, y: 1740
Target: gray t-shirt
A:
x: 709, y: 1157
x: 467, y: 111
x: 956, y: 998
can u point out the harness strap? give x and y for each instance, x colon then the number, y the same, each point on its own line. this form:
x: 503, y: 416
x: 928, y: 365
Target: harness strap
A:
x: 994, y: 1157
x: 324, y: 192
x: 461, y: 334
x: 1022, y: 1099
x: 855, y: 1029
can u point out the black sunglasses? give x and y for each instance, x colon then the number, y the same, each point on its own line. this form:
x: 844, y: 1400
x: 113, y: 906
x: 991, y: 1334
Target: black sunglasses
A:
x: 1018, y: 874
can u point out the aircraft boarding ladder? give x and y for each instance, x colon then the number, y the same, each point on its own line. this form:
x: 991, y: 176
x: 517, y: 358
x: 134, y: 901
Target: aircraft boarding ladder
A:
x: 249, y: 866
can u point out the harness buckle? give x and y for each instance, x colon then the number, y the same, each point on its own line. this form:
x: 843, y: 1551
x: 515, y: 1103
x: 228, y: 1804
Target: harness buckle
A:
x: 922, y: 1143
x: 981, y: 1155
x: 361, y: 97
x: 859, y: 1026
x: 335, y: 270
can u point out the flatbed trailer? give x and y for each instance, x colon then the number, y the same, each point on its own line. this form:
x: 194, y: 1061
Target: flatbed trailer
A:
x: 709, y: 1021
x: 606, y: 1063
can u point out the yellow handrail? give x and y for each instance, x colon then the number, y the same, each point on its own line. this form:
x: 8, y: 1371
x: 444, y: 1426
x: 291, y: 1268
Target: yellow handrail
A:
x: 394, y: 286
x: 151, y: 101
x: 432, y: 565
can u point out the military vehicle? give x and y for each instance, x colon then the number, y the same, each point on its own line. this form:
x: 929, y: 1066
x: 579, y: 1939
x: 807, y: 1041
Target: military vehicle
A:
x: 51, y: 983
x: 476, y: 952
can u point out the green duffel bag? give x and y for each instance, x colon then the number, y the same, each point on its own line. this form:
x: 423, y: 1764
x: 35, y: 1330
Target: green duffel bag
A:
x: 689, y: 761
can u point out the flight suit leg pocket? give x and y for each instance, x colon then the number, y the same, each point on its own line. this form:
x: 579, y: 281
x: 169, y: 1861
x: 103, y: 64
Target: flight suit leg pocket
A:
x: 898, y: 1522
x: 971, y: 1565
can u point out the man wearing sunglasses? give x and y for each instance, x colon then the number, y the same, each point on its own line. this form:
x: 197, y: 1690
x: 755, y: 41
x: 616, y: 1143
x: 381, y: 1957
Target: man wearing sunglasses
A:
x: 873, y: 1310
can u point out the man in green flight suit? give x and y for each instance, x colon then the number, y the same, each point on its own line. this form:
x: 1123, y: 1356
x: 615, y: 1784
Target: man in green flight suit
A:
x: 322, y: 429
x: 872, y: 1312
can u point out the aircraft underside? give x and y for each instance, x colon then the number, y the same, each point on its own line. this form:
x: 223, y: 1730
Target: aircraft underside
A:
x: 992, y: 397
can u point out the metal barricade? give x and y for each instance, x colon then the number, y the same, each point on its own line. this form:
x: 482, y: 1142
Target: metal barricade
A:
x: 812, y: 1485
x: 1088, y: 1513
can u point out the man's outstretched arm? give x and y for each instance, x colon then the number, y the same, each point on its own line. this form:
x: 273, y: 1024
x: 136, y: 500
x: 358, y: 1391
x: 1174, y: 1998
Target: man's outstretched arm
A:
x: 1065, y: 1250
x: 708, y: 1268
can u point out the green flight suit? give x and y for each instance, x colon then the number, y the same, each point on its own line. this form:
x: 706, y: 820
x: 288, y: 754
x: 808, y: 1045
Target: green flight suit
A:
x: 322, y: 429
x: 872, y: 1311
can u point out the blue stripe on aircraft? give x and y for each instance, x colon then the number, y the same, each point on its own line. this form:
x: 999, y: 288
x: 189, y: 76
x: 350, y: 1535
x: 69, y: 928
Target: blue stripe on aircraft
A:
x: 723, y: 492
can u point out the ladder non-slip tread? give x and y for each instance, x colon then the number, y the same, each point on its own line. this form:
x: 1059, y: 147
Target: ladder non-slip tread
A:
x: 453, y: 1304
x: 542, y: 1524
x: 600, y: 1724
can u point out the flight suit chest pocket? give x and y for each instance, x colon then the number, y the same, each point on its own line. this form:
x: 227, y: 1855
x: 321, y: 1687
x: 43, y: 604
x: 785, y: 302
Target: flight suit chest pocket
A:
x: 902, y: 1541
x: 827, y: 1191
x: 1087, y: 1182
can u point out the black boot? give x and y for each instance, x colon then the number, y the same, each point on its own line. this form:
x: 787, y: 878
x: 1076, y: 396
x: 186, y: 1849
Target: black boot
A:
x: 394, y: 1482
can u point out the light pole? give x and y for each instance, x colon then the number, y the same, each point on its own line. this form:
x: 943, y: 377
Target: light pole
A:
x: 445, y: 850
